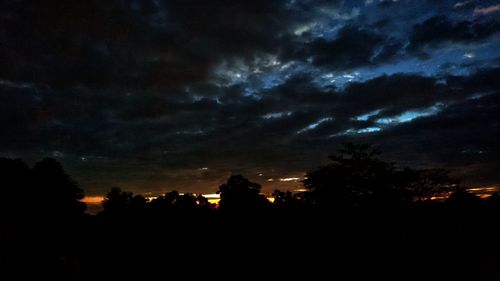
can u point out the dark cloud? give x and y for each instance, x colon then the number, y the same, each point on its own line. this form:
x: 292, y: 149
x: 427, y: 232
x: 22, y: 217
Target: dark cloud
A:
x: 145, y: 93
x: 354, y: 46
x: 230, y: 27
x: 399, y: 92
x: 440, y: 29
x: 134, y: 44
x: 461, y: 136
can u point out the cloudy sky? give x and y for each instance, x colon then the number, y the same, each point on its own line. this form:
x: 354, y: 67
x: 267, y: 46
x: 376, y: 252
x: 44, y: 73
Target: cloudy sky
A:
x: 160, y: 95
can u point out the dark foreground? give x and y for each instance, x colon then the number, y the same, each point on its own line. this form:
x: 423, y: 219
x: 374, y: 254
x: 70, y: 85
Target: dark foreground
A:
x: 435, y: 241
x: 360, y: 220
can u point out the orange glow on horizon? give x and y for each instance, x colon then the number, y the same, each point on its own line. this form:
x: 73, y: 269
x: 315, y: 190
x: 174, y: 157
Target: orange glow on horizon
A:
x: 212, y: 198
x: 93, y: 199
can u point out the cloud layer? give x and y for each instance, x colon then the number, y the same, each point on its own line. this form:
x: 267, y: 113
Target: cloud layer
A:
x: 157, y: 95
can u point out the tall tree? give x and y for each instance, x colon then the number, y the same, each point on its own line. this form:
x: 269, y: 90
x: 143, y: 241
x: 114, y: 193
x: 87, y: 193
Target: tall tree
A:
x: 55, y: 190
x: 354, y: 177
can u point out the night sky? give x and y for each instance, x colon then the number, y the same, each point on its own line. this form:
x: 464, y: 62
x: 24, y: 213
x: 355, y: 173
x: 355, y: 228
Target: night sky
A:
x: 159, y: 95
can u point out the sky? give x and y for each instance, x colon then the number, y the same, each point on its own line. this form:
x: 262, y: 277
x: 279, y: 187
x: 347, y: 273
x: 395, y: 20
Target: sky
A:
x: 158, y: 95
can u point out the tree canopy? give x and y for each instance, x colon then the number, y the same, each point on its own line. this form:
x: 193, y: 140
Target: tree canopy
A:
x: 238, y: 193
x: 356, y: 176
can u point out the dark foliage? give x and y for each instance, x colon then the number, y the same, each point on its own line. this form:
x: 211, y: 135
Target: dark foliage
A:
x: 241, y: 194
x: 363, y: 219
x: 40, y: 215
x: 357, y: 177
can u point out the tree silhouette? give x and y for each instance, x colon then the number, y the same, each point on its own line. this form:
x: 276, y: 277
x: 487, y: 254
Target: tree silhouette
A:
x: 202, y: 201
x: 41, y: 214
x: 286, y: 199
x: 57, y: 191
x: 164, y: 202
x: 398, y: 245
x: 186, y: 202
x: 44, y: 190
x: 356, y: 176
x: 282, y: 198
x: 241, y: 194
x: 117, y: 201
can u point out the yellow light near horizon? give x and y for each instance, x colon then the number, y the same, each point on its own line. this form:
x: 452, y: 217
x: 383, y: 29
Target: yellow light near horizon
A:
x: 290, y: 179
x: 211, y: 196
x: 214, y: 201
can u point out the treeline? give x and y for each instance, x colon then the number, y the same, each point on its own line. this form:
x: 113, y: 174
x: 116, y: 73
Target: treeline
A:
x: 361, y: 219
x: 355, y: 179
